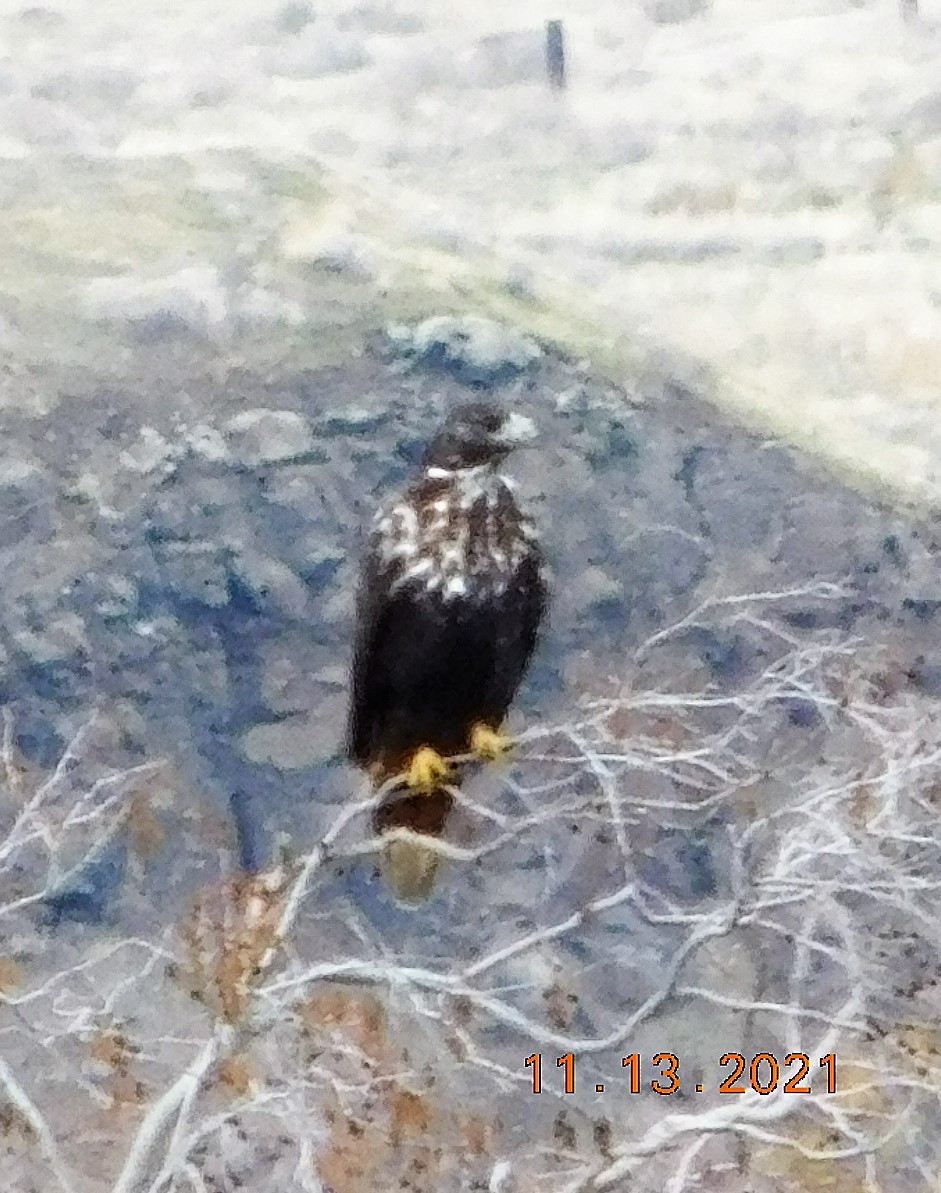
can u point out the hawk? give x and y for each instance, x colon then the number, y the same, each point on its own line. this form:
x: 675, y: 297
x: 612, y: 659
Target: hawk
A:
x: 451, y: 596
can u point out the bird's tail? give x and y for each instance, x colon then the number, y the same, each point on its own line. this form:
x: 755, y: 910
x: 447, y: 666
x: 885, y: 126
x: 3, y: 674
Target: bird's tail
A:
x: 410, y: 862
x: 409, y: 867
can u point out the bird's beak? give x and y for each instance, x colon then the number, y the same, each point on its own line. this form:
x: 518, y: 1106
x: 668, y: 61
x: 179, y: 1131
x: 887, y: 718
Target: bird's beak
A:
x: 517, y: 429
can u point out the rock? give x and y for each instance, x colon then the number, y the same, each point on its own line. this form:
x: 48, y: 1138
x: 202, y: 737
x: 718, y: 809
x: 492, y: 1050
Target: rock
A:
x: 892, y: 547
x: 681, y: 864
x: 674, y: 12
x: 298, y: 487
x: 923, y: 118
x: 193, y: 510
x: 119, y: 598
x: 616, y: 146
x: 598, y: 591
x: 196, y: 572
x: 294, y: 16
x: 329, y: 245
x: 159, y: 631
x: 106, y: 85
x: 257, y: 306
x: 61, y: 638
x: 151, y: 453
x: 662, y: 565
x: 267, y: 436
x: 206, y: 442
x: 319, y: 50
x: 728, y: 655
x: 520, y: 281
x: 739, y: 500
x: 795, y: 250
x: 338, y: 608
x: 803, y: 713
x: 36, y: 736
x: 38, y: 16
x: 336, y: 676
x: 271, y: 583
x: 97, y: 490
x: 379, y: 18
x: 473, y: 349
x: 926, y: 676
x: 192, y: 299
x: 296, y: 742
x: 353, y: 420
x: 25, y: 496
x: 40, y: 578
x: 336, y: 142
x: 8, y: 330
x: 678, y: 250
x: 284, y: 689
x: 319, y: 563
x: 924, y: 608
x: 348, y: 254
x: 212, y: 88
x: 506, y: 59
x: 45, y: 125
x: 90, y: 893
x: 821, y: 615
x: 613, y: 441
x: 297, y: 676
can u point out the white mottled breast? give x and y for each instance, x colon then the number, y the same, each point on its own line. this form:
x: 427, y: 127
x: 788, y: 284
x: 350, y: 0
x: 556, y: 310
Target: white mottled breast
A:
x: 458, y: 533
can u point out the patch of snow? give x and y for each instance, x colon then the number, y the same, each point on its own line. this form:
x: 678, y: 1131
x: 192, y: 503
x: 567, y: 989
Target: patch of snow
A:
x: 149, y: 453
x: 265, y: 436
x: 192, y: 297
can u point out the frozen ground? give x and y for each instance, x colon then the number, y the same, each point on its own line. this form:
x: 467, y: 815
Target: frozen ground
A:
x: 756, y: 189
x: 719, y: 834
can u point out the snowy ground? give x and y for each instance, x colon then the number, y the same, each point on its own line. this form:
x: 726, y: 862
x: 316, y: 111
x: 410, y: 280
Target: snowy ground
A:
x: 756, y: 189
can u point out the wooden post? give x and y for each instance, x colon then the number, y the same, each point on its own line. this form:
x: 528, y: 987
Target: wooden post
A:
x: 555, y: 55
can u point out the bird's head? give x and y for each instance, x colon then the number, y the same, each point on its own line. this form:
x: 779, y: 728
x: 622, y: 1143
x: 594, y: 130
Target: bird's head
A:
x: 477, y: 433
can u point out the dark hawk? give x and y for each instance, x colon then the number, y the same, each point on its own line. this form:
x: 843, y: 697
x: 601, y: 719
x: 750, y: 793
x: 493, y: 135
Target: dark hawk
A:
x: 451, y: 597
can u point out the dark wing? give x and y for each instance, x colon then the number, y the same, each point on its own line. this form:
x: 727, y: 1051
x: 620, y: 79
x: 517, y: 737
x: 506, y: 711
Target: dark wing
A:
x: 523, y: 609
x: 399, y: 642
x: 372, y: 601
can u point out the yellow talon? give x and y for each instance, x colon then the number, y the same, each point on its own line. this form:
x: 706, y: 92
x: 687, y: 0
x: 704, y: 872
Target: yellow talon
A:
x: 489, y: 744
x: 427, y: 768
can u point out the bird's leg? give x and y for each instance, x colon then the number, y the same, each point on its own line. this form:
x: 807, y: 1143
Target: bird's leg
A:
x: 489, y: 743
x: 426, y: 769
